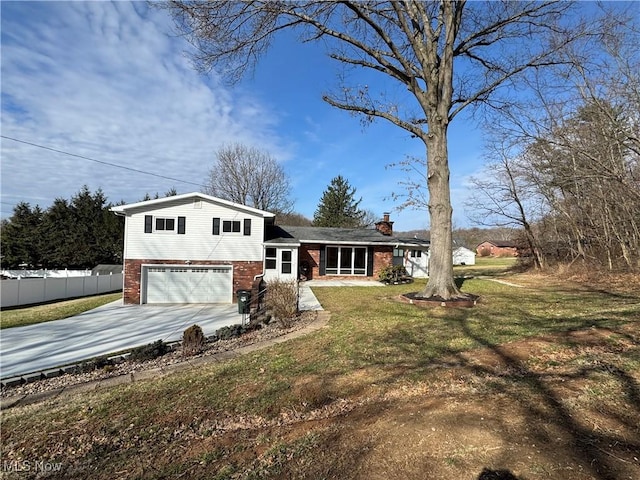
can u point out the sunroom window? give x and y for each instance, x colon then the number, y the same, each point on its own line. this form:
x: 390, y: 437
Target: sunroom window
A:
x: 346, y: 261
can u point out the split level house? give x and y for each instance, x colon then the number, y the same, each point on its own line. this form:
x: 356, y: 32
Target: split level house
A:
x: 196, y: 248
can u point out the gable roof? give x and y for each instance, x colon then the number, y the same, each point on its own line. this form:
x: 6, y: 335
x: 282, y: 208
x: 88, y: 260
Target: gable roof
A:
x: 277, y: 234
x: 152, y: 204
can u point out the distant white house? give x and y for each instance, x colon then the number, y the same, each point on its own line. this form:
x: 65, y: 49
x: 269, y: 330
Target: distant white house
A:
x: 463, y: 256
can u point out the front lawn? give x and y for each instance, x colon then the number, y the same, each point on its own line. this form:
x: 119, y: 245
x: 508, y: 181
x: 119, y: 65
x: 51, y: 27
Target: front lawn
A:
x: 486, y: 266
x: 540, y: 382
x: 19, y: 317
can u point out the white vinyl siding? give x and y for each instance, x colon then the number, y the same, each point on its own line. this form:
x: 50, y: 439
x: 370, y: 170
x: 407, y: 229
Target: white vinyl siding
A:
x: 417, y: 263
x: 197, y: 243
x: 281, y: 263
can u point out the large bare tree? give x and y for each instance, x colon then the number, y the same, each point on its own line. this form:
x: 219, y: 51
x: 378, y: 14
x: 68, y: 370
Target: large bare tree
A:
x: 505, y: 197
x: 577, y: 145
x: 251, y: 177
x: 446, y: 55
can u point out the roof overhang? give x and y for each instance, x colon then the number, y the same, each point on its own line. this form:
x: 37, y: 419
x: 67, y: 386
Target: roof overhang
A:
x: 151, y: 204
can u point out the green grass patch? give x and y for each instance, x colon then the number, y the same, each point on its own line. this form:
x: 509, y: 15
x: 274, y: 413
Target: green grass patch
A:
x: 232, y: 418
x: 486, y: 266
x: 20, y: 317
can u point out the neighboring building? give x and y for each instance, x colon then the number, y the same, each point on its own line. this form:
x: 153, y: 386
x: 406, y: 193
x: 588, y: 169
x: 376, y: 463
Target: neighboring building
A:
x: 195, y: 248
x: 497, y: 248
x: 463, y: 256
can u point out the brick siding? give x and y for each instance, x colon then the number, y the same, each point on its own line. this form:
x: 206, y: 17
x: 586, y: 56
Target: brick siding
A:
x: 243, y: 275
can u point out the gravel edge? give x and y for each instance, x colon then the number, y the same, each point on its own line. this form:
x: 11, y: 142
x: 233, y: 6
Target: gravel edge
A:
x: 129, y: 372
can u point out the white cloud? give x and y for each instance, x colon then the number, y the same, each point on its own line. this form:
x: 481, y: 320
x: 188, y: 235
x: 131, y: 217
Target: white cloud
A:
x: 106, y: 81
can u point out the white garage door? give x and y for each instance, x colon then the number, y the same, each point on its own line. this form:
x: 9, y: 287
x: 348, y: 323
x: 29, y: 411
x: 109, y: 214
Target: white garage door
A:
x: 201, y: 284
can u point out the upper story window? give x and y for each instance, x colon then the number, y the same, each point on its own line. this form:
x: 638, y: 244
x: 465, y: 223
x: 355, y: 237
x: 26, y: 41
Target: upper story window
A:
x: 231, y: 226
x: 164, y: 224
x: 416, y: 253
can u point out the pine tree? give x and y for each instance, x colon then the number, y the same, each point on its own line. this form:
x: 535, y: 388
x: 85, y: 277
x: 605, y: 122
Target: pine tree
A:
x: 338, y: 207
x: 20, y: 235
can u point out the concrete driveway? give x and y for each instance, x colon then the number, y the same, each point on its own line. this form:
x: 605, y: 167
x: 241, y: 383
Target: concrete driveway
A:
x: 107, y: 329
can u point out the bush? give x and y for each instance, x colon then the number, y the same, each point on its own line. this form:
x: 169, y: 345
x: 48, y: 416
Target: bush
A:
x: 149, y: 351
x: 227, y: 333
x: 281, y: 301
x: 193, y: 340
x: 394, y: 274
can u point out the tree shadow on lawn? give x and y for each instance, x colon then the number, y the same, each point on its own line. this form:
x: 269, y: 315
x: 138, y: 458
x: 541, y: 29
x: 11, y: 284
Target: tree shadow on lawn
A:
x: 488, y: 474
x: 605, y: 453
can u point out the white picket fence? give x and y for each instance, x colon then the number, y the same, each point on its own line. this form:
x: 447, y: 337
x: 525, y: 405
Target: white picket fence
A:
x: 28, y: 291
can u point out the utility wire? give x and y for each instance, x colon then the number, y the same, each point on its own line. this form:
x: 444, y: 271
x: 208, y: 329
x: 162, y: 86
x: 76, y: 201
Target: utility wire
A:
x: 101, y: 161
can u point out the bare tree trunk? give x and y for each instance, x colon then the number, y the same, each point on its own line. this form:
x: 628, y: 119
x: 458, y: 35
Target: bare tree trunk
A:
x: 441, y: 282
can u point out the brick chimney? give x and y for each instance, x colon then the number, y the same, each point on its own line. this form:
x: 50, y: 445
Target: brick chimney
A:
x: 385, y: 226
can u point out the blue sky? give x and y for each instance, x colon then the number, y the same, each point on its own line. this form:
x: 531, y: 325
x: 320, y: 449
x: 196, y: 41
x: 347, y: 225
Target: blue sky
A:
x: 110, y: 81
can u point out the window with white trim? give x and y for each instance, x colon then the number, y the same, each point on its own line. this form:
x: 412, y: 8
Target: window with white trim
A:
x: 270, y: 258
x: 165, y: 224
x: 286, y: 261
x: 231, y: 226
x: 346, y: 261
x: 416, y: 253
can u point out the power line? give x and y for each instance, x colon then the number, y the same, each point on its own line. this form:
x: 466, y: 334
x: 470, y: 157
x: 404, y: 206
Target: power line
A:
x: 101, y: 161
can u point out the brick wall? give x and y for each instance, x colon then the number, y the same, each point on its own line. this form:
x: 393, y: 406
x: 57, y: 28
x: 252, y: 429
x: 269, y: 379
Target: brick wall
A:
x: 382, y: 257
x: 243, y: 274
x: 310, y: 253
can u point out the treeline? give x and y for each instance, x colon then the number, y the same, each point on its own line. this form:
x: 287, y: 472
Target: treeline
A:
x: 565, y: 167
x: 77, y: 233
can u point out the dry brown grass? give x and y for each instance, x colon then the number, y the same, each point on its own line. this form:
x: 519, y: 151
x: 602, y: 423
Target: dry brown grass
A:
x: 542, y: 382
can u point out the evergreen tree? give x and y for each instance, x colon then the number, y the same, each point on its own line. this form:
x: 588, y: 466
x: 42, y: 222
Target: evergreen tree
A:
x: 79, y: 233
x: 20, y: 237
x: 338, y: 207
x: 56, y: 224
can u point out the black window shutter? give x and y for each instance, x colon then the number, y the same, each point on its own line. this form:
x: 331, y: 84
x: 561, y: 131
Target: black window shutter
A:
x: 370, y: 262
x: 181, y: 225
x: 323, y: 262
x: 148, y: 223
x: 216, y: 226
x: 247, y: 226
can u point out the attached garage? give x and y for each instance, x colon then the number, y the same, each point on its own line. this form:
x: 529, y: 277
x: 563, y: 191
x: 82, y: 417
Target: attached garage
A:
x: 187, y: 284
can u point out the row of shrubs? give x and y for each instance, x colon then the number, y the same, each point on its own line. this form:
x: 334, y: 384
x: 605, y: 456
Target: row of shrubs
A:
x: 280, y: 305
